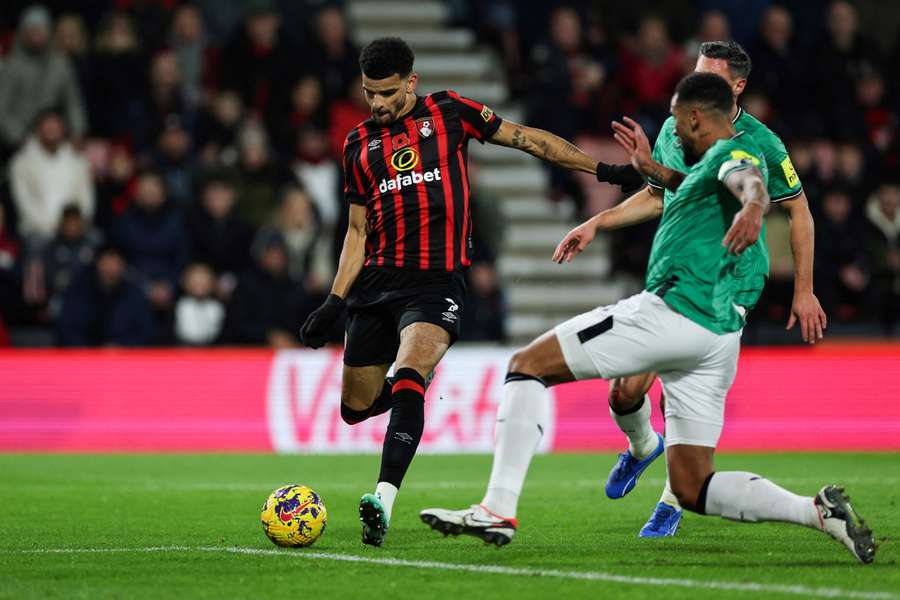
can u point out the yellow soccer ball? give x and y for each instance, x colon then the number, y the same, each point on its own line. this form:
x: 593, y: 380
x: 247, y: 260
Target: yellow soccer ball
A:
x: 294, y: 516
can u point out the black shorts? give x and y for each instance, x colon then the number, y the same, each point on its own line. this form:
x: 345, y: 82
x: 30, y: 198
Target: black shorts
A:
x: 384, y: 300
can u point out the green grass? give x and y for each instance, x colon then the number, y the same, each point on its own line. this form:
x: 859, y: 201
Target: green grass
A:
x: 54, y: 502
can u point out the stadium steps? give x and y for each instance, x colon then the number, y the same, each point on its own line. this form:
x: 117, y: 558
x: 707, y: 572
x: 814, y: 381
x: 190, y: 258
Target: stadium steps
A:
x: 540, y: 292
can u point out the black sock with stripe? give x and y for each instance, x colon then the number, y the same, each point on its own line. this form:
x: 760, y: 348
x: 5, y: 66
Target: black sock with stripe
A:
x: 404, y: 430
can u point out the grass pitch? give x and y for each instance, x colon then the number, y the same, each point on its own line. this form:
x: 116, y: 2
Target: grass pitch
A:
x: 152, y: 526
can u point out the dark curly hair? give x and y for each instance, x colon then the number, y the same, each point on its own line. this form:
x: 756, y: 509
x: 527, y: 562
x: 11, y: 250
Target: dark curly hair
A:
x: 385, y: 56
x: 706, y: 89
x: 738, y: 60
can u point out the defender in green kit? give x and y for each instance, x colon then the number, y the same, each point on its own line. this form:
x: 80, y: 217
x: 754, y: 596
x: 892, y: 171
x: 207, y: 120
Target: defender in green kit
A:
x: 666, y: 168
x: 707, y: 269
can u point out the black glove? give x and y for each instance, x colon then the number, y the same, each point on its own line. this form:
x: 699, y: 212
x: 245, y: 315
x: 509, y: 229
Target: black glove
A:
x: 624, y: 176
x: 314, y: 332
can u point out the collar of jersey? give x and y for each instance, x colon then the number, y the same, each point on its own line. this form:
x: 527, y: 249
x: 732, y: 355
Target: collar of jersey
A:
x: 737, y: 115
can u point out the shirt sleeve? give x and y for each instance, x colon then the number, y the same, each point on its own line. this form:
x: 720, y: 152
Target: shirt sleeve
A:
x: 354, y: 188
x: 657, y: 156
x: 784, y: 183
x: 478, y: 120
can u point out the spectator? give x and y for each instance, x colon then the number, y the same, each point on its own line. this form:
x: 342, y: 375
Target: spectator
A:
x: 152, y: 237
x: 778, y: 66
x: 10, y: 276
x: 118, y: 78
x: 46, y: 174
x: 568, y: 75
x: 37, y: 77
x: 258, y: 177
x: 841, y: 263
x: 115, y: 188
x: 267, y: 307
x: 306, y: 109
x: 841, y: 58
x: 258, y: 60
x: 174, y: 161
x: 218, y: 128
x: 335, y: 56
x: 883, y: 235
x: 71, y: 39
x: 650, y: 70
x: 70, y: 252
x: 219, y: 236
x: 163, y: 103
x: 103, y: 308
x: 189, y: 45
x: 199, y: 316
x: 319, y: 174
x: 879, y: 123
x: 714, y: 26
x: 346, y: 114
x: 485, y: 310
x: 568, y: 79
x: 309, y: 261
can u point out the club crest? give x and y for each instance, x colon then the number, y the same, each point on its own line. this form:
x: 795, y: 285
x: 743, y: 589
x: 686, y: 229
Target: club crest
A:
x: 425, y: 126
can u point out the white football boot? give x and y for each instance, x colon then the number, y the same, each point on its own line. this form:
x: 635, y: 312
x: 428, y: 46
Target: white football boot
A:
x: 476, y: 521
x: 838, y: 519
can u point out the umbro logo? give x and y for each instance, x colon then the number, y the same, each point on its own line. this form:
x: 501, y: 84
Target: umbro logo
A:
x: 450, y: 315
x: 403, y: 437
x: 374, y: 143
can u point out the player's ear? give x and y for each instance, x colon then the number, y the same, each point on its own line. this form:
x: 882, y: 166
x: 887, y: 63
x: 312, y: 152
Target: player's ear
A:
x: 411, y: 83
x: 739, y: 86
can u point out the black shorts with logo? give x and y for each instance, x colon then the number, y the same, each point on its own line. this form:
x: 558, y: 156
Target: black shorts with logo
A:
x: 384, y: 300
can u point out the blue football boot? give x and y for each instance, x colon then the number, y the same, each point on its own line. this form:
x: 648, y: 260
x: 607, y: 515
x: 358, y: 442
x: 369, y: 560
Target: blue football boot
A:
x: 662, y: 523
x: 625, y: 473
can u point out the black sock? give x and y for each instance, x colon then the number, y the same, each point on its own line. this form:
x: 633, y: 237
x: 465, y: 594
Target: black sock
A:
x: 405, y: 427
x: 381, y: 405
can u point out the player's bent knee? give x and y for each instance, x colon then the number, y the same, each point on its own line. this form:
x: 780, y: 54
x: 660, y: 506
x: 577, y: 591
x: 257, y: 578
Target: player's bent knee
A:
x: 621, y: 397
x: 687, y: 494
x: 523, y: 362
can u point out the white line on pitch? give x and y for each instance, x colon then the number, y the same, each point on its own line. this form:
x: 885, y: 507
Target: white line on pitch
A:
x: 249, y: 486
x: 802, y: 590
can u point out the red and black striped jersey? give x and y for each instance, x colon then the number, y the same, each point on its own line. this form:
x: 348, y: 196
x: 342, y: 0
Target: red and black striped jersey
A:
x: 412, y: 177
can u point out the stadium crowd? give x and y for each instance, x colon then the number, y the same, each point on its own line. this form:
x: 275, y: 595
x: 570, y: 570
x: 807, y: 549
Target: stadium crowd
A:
x: 171, y: 170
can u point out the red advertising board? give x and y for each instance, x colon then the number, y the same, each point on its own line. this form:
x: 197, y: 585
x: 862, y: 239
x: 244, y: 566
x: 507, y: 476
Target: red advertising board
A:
x: 825, y: 398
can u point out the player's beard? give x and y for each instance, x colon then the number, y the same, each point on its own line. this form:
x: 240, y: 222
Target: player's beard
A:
x: 691, y: 156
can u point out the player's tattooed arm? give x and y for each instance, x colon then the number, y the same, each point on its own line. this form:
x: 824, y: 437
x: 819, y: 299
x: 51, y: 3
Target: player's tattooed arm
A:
x: 630, y: 135
x: 749, y: 187
x: 544, y: 145
x: 353, y: 252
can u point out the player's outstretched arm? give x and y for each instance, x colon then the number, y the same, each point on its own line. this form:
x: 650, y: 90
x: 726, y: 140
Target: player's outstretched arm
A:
x: 805, y: 307
x: 543, y: 144
x: 315, y: 330
x: 748, y: 186
x: 645, y: 205
x: 633, y: 140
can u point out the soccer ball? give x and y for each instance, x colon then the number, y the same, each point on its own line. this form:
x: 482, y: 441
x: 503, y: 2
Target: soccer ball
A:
x: 294, y: 516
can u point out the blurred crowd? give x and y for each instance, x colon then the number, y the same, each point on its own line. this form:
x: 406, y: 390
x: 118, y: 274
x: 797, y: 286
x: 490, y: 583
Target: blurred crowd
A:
x: 819, y: 79
x: 171, y: 170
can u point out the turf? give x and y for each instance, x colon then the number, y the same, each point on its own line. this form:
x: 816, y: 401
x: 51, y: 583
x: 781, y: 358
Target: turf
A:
x: 53, y: 502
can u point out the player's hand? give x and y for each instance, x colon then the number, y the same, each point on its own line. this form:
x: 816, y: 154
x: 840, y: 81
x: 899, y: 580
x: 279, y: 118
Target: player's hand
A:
x: 314, y: 332
x: 575, y: 242
x: 634, y: 141
x: 806, y: 310
x: 744, y: 230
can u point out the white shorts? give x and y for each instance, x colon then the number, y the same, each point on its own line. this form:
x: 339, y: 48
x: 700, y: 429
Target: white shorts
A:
x: 642, y: 334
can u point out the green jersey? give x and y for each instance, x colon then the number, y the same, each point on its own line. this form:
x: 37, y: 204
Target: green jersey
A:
x: 689, y: 267
x: 783, y: 181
